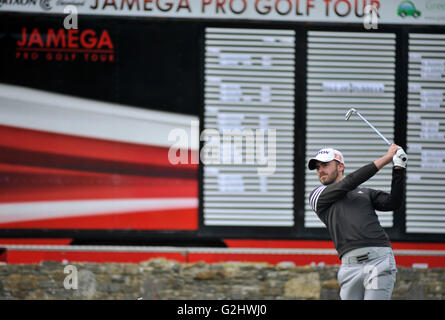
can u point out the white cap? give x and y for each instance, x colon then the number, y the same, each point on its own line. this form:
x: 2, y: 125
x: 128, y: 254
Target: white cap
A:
x: 326, y: 155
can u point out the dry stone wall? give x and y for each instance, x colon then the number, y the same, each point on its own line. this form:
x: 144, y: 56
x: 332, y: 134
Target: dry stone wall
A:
x: 164, y: 279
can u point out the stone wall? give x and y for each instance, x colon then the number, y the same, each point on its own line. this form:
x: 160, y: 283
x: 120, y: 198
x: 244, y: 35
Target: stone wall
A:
x: 164, y: 279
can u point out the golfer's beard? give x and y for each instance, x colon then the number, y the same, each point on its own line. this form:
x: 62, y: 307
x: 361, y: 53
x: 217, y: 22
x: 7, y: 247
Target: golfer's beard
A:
x: 331, y: 178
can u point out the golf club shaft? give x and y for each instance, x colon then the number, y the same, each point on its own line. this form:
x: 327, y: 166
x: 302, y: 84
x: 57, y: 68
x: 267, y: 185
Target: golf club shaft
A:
x: 377, y: 131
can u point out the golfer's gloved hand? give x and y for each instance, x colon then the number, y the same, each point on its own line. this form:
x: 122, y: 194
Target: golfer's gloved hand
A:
x: 400, y: 159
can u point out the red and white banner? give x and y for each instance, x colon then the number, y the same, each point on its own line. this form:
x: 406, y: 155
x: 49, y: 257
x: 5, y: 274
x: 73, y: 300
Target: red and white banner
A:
x: 71, y: 163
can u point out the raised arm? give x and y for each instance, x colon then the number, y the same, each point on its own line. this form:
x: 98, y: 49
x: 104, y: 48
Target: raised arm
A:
x: 387, y: 158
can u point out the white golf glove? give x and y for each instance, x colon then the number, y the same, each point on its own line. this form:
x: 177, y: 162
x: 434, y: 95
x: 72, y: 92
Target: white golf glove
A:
x: 400, y: 159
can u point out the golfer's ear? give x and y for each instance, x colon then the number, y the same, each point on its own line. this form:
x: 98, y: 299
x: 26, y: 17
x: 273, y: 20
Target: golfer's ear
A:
x: 341, y: 166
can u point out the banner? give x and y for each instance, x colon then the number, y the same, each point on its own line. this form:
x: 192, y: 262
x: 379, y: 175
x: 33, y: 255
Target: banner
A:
x: 423, y: 12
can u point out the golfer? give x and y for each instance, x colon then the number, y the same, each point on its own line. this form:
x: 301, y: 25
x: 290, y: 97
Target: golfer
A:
x: 368, y: 268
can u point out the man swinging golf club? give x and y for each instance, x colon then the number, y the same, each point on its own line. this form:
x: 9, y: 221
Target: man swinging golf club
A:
x: 368, y: 269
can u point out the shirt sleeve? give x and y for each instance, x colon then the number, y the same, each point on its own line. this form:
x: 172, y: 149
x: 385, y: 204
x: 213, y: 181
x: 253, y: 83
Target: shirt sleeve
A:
x: 323, y: 196
x: 384, y: 201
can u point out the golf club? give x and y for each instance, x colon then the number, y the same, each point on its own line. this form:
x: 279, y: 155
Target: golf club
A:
x: 352, y: 110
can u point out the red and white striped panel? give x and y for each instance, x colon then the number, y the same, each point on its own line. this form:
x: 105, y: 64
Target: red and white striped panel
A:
x: 71, y: 163
x: 295, y: 252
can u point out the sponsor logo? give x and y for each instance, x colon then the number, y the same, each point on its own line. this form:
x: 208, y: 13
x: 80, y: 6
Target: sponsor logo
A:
x: 65, y: 45
x: 322, y: 152
x: 434, y: 10
x: 407, y: 8
x: 45, y: 5
x: 338, y: 157
x: 18, y: 2
x: 435, y: 5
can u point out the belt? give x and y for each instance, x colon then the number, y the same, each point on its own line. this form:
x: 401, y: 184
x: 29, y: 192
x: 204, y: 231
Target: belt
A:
x: 364, y: 254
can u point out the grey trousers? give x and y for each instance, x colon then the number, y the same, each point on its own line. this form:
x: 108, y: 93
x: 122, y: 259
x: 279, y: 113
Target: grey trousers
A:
x: 373, y: 279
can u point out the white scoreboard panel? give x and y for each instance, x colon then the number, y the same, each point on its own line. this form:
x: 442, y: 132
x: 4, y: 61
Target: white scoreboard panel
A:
x: 249, y: 91
x: 425, y: 195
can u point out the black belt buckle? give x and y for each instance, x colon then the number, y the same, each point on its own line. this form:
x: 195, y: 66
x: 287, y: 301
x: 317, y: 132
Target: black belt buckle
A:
x: 362, y: 258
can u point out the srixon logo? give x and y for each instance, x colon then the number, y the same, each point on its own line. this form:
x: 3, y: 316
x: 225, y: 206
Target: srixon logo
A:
x: 65, y: 45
